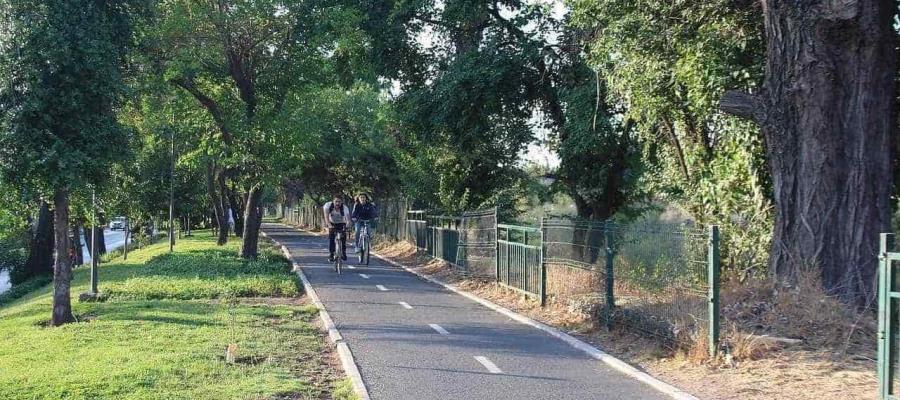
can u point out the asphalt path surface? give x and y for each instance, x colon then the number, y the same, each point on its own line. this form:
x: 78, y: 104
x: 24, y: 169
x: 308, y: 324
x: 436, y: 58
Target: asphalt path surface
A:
x: 416, y: 340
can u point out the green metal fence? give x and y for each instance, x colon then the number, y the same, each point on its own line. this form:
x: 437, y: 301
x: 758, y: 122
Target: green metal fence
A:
x: 442, y: 237
x: 520, y: 259
x: 416, y: 226
x: 888, y: 319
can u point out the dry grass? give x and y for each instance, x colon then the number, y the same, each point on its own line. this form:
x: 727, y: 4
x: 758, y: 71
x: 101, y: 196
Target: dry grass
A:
x: 835, y: 360
x: 802, y: 311
x: 565, y: 282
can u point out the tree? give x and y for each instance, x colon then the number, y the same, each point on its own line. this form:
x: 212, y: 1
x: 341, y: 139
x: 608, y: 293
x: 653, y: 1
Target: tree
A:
x: 827, y: 112
x: 600, y: 157
x: 664, y: 65
x: 467, y: 98
x: 240, y: 60
x: 61, y: 67
x: 40, y: 247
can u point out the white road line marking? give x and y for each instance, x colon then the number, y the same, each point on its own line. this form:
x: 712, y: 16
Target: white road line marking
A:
x: 381, y: 288
x: 405, y: 305
x: 351, y: 267
x: 364, y: 276
x: 491, y: 367
x: 439, y: 329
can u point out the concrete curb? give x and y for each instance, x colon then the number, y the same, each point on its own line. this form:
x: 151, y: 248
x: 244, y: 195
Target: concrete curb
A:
x: 347, y: 362
x: 584, y: 347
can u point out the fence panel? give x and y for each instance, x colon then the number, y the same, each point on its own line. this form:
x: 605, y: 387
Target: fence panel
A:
x: 519, y: 262
x: 477, y: 249
x: 888, y: 319
x: 661, y: 279
x: 443, y: 237
x: 416, y: 229
x: 392, y: 219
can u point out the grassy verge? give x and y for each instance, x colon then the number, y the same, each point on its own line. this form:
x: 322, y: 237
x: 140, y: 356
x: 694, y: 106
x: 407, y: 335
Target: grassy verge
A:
x: 164, y: 328
x: 24, y: 288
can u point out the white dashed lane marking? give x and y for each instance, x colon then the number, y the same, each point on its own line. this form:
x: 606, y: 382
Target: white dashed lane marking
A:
x: 491, y: 367
x: 406, y: 305
x: 381, y: 288
x: 439, y: 329
x: 364, y: 276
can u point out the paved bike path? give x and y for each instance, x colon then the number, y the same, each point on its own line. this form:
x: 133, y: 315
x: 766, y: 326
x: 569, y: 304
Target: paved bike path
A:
x: 416, y: 340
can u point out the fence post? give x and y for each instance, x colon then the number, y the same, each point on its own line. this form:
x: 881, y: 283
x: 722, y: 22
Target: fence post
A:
x: 497, y: 251
x: 886, y: 244
x: 713, y: 277
x: 543, y: 269
x: 610, y: 278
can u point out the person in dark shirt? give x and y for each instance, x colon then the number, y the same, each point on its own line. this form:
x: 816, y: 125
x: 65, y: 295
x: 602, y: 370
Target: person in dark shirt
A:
x: 363, y: 210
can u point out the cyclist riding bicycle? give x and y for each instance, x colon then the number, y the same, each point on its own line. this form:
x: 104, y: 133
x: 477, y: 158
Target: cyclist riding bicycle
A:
x: 363, y: 210
x: 337, y: 217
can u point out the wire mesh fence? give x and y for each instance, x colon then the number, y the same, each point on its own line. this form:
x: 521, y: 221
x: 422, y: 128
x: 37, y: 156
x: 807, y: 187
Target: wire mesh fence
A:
x: 392, y: 219
x: 477, y: 251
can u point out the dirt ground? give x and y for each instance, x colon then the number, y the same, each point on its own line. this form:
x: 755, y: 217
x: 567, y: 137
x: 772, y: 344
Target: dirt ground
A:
x: 815, y: 369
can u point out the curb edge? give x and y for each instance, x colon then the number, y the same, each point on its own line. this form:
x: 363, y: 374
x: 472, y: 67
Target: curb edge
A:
x: 348, y: 363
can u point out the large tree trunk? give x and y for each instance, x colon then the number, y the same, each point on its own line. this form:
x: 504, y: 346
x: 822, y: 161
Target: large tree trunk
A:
x: 252, y: 222
x: 62, y: 267
x: 237, y: 209
x: 828, y: 119
x: 218, y: 204
x: 101, y: 240
x: 40, y: 250
x: 76, y: 244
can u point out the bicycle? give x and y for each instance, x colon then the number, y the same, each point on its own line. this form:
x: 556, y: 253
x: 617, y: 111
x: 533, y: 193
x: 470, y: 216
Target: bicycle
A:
x: 339, y: 251
x: 365, y: 246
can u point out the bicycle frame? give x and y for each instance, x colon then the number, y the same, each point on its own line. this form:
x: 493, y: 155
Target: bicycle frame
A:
x: 365, y: 238
x: 339, y: 250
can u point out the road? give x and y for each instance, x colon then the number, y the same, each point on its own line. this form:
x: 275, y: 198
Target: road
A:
x: 114, y: 240
x: 416, y: 340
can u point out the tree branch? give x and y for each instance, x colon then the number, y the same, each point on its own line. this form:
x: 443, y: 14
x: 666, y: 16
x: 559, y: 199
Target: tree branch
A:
x: 211, y: 106
x: 744, y: 105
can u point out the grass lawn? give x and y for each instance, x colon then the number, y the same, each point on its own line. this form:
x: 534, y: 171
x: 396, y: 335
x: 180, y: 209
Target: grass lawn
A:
x: 163, y: 330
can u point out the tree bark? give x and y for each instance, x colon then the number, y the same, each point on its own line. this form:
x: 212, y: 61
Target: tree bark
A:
x: 237, y: 210
x: 101, y: 241
x: 218, y: 204
x: 40, y: 250
x: 827, y: 114
x: 252, y: 222
x: 76, y: 244
x: 62, y: 267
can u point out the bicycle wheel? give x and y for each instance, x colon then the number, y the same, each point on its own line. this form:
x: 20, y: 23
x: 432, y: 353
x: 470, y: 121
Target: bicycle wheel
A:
x: 339, y: 253
x: 362, y: 248
x: 368, y: 251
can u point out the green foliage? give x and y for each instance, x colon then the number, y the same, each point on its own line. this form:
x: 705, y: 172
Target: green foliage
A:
x: 668, y: 64
x: 61, y: 79
x: 341, y: 142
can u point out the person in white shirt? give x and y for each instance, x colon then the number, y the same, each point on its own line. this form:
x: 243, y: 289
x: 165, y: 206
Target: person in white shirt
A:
x: 337, y: 217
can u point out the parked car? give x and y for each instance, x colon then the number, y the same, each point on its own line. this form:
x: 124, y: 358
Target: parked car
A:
x: 117, y: 223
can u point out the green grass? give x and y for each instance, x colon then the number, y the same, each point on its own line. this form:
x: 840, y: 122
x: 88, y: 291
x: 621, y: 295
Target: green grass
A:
x: 163, y: 331
x: 24, y: 288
